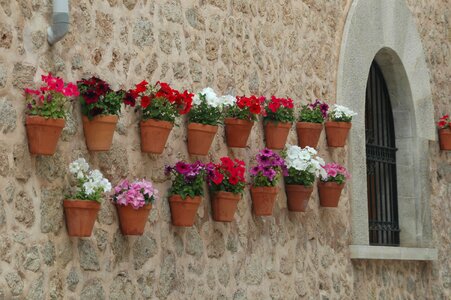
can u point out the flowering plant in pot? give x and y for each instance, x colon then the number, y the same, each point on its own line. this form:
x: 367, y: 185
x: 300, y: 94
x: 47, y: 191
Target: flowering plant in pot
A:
x: 160, y: 106
x: 100, y: 107
x: 186, y: 191
x: 304, y: 165
x: 46, y: 110
x: 444, y: 132
x: 226, y: 181
x: 277, y: 122
x: 265, y: 176
x: 82, y: 207
x: 240, y: 119
x: 133, y: 202
x: 332, y: 183
x: 310, y: 124
x: 203, y: 118
x: 338, y: 126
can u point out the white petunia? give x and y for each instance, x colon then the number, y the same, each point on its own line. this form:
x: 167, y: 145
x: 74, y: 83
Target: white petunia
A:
x: 228, y: 100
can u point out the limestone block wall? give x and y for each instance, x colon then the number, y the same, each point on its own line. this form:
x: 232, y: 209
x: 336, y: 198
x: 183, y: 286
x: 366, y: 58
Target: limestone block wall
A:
x: 287, y: 48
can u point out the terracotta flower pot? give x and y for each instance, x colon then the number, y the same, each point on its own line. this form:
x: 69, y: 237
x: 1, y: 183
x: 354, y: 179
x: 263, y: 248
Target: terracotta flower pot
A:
x: 445, y: 138
x: 183, y: 211
x: 224, y: 205
x: 99, y: 132
x: 308, y: 134
x: 276, y: 134
x: 336, y: 133
x: 329, y: 193
x: 298, y: 197
x: 263, y: 199
x: 43, y: 134
x: 132, y: 221
x: 154, y: 135
x: 237, y: 132
x: 80, y: 216
x: 200, y: 138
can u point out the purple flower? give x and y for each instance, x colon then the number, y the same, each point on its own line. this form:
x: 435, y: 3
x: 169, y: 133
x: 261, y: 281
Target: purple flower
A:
x: 266, y: 152
x: 255, y: 170
x: 324, y: 109
x: 167, y: 170
x: 182, y: 167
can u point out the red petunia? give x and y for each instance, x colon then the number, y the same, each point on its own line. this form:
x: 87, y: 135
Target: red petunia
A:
x: 141, y: 87
x: 217, y: 177
x: 145, y: 101
x: 233, y: 180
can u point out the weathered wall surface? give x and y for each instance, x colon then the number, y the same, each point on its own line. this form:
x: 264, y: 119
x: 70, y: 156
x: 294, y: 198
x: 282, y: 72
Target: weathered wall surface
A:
x: 287, y: 48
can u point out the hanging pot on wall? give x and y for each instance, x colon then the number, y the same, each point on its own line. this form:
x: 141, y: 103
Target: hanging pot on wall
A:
x: 133, y: 221
x: 224, y: 206
x: 154, y: 135
x: 298, y: 197
x: 308, y: 133
x: 99, y: 132
x: 263, y: 199
x: 276, y: 134
x: 329, y: 193
x: 445, y: 138
x: 200, y: 138
x: 183, y: 211
x: 80, y: 216
x: 237, y: 132
x: 43, y: 134
x: 337, y: 133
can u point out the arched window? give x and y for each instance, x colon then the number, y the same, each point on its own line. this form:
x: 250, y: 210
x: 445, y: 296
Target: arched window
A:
x: 380, y: 162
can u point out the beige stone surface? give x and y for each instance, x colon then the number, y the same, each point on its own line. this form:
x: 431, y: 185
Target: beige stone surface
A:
x: 287, y: 48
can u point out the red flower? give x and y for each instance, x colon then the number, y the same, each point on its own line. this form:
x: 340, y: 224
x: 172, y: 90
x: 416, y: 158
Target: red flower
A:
x: 141, y: 87
x: 233, y: 180
x: 130, y: 98
x: 217, y: 178
x: 145, y: 101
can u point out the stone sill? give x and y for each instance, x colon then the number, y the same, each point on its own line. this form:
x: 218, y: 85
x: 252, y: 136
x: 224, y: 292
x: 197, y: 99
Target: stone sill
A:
x: 393, y: 253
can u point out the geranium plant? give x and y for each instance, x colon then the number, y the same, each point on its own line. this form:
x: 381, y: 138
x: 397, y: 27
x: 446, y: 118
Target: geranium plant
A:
x: 340, y: 113
x: 444, y: 122
x: 304, y: 165
x: 227, y: 176
x: 135, y: 194
x: 279, y: 110
x: 50, y: 100
x: 333, y: 172
x: 208, y: 107
x: 315, y: 112
x: 159, y: 101
x: 97, y: 98
x: 247, y: 108
x: 90, y: 183
x: 270, y: 166
x: 187, y: 179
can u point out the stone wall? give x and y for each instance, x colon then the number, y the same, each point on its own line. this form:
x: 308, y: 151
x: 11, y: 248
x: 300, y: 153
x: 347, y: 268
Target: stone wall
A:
x: 287, y: 48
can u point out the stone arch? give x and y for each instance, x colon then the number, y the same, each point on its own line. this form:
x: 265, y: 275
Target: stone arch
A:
x: 385, y: 31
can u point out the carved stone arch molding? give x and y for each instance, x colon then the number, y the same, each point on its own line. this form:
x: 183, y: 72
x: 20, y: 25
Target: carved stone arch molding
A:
x: 385, y: 31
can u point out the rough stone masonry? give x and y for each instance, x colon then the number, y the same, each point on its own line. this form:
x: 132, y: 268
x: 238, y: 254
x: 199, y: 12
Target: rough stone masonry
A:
x: 287, y: 48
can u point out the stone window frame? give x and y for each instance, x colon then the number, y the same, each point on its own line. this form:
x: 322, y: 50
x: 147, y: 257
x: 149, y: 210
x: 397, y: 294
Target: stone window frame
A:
x: 385, y: 31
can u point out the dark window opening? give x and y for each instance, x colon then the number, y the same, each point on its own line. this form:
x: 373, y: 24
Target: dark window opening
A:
x: 380, y: 162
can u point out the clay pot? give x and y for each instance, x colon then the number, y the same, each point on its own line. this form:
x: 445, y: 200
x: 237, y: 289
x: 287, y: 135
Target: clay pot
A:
x: 154, y: 135
x: 445, y: 138
x: 43, y: 134
x: 99, y: 132
x: 183, y: 211
x: 336, y: 133
x: 298, y: 197
x: 223, y: 205
x: 263, y: 199
x: 132, y: 221
x: 308, y: 134
x: 200, y: 138
x: 237, y: 132
x: 276, y: 135
x: 329, y: 193
x: 80, y: 216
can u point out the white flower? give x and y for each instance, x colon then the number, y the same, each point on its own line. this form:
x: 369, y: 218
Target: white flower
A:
x: 79, y: 165
x: 304, y: 159
x: 228, y: 100
x: 89, y: 188
x: 340, y: 111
